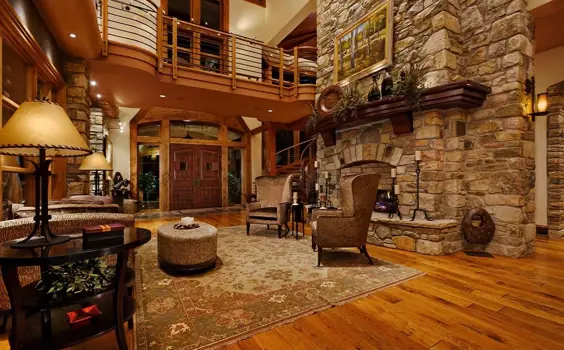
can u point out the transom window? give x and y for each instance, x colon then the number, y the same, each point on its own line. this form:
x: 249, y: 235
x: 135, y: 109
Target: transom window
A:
x: 186, y: 129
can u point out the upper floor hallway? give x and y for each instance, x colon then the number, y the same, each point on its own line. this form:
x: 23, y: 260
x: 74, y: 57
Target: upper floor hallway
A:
x: 190, y: 54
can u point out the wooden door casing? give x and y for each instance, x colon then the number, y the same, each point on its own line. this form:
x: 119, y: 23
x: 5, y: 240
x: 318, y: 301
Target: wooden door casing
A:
x: 195, y: 176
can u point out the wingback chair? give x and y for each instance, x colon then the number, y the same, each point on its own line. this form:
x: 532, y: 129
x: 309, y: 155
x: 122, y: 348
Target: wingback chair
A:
x: 274, y: 194
x: 348, y: 226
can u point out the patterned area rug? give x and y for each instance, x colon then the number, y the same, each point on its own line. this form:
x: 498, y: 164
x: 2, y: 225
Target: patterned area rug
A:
x: 260, y: 282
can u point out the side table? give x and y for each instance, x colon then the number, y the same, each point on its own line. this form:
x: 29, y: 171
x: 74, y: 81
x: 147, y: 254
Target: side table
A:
x: 298, y: 218
x: 39, y: 322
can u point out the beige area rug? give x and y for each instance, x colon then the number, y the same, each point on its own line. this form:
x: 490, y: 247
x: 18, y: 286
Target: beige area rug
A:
x: 259, y: 283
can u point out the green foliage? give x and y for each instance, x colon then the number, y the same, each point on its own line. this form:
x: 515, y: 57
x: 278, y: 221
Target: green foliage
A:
x: 312, y: 120
x: 347, y: 108
x: 410, y: 82
x: 147, y: 182
x: 234, y: 186
x: 85, y: 276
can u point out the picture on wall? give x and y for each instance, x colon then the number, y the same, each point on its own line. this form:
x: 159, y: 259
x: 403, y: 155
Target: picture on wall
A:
x: 366, y: 46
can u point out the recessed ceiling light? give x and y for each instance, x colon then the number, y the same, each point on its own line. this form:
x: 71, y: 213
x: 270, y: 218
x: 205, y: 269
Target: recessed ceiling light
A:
x: 72, y: 35
x: 162, y: 96
x: 270, y: 111
x: 98, y: 96
x: 93, y: 83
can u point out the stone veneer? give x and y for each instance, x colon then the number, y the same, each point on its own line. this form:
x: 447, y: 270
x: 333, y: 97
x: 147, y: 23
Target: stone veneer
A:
x: 438, y: 237
x: 78, y: 109
x: 555, y: 160
x: 97, y: 122
x: 471, y: 158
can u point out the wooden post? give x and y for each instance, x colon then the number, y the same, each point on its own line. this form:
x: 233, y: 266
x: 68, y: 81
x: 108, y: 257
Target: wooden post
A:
x: 104, y: 27
x: 247, y: 168
x: 233, y: 62
x: 281, y: 73
x: 174, y: 47
x: 164, y: 166
x: 224, y: 164
x: 1, y: 119
x: 160, y: 26
x: 296, y: 71
x: 133, y: 158
x: 271, y: 149
x: 296, y: 145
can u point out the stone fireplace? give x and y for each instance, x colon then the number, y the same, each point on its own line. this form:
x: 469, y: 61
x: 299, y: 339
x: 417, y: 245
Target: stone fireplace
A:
x: 471, y: 157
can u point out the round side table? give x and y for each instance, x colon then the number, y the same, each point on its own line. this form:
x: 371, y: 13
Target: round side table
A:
x: 187, y: 251
x: 40, y: 322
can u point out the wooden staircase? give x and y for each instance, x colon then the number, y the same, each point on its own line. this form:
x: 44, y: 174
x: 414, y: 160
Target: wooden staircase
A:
x: 292, y: 168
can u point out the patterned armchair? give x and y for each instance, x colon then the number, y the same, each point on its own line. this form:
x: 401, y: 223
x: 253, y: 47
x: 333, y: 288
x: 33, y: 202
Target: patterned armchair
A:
x: 347, y: 227
x: 274, y: 194
x: 60, y: 224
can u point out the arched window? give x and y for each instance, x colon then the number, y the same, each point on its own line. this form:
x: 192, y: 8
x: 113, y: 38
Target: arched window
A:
x: 186, y: 129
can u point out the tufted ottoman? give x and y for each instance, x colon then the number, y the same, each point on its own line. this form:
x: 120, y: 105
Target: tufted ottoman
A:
x: 187, y: 251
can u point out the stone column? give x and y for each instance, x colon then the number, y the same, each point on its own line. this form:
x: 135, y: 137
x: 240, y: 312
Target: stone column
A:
x: 499, y: 142
x: 97, y: 122
x: 78, y: 109
x: 556, y: 160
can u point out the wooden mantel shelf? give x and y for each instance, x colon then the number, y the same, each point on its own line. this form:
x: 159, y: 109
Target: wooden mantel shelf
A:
x: 462, y: 95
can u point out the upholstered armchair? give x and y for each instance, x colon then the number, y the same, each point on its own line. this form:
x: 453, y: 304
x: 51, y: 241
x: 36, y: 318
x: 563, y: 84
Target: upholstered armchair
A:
x: 274, y: 194
x: 347, y: 227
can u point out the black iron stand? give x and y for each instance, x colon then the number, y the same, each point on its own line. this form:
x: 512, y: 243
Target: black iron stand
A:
x: 42, y: 216
x: 418, y: 172
x: 395, y: 200
x: 97, y: 190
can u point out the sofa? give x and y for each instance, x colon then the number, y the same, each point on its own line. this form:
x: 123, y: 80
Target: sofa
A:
x: 71, y: 205
x: 66, y: 224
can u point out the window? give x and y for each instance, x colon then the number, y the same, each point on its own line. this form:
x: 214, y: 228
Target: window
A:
x: 13, y: 75
x: 193, y: 130
x: 234, y: 175
x: 235, y: 136
x: 153, y: 130
x: 148, y: 181
x: 207, y: 13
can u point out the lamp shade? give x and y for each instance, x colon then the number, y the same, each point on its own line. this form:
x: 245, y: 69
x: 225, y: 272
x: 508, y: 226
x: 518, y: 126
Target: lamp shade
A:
x: 542, y: 102
x: 95, y: 161
x: 41, y: 125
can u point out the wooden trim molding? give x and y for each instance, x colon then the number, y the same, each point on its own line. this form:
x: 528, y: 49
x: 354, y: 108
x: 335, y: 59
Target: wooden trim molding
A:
x: 463, y: 95
x: 20, y: 38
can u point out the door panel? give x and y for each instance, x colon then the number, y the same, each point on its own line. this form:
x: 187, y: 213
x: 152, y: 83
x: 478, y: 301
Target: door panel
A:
x: 195, y: 176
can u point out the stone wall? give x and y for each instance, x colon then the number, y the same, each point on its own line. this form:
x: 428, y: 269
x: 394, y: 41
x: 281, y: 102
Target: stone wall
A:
x: 78, y: 109
x: 97, y: 122
x: 555, y: 160
x: 471, y: 158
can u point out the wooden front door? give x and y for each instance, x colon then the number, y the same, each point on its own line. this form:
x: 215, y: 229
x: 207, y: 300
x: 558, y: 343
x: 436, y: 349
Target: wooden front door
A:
x: 195, y: 176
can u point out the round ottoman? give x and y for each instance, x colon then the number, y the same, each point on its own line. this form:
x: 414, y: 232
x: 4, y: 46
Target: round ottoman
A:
x: 187, y: 251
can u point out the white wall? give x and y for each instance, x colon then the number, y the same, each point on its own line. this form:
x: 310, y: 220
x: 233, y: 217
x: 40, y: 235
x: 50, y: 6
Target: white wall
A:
x: 256, y: 147
x: 120, y: 141
x: 247, y: 19
x: 282, y: 17
x: 549, y: 70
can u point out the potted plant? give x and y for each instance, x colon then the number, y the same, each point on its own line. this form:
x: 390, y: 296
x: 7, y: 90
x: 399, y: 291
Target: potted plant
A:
x: 410, y: 83
x: 147, y: 182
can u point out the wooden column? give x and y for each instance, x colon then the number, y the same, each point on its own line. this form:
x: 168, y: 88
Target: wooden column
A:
x: 224, y: 164
x: 296, y: 145
x: 270, y: 142
x: 164, y: 150
x: 133, y: 158
x: 247, y: 168
x: 1, y: 119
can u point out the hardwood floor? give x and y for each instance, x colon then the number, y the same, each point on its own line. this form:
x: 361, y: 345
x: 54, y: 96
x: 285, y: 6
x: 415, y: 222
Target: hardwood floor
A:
x: 461, y: 303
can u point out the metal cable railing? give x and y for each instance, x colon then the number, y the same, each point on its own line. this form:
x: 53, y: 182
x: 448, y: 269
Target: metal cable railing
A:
x: 186, y: 46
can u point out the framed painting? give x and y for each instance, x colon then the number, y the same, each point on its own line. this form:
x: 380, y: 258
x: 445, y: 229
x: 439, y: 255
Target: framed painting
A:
x: 366, y: 46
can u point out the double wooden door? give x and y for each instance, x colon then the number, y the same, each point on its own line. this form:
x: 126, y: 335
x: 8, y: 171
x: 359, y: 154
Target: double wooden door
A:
x: 195, y: 176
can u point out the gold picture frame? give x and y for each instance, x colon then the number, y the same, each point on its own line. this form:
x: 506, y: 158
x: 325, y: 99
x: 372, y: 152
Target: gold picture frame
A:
x: 366, y: 46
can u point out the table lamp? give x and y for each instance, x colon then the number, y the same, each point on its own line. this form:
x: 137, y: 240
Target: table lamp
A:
x: 96, y: 162
x: 41, y: 129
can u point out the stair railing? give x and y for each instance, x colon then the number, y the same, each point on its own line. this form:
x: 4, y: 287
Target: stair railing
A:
x: 291, y: 154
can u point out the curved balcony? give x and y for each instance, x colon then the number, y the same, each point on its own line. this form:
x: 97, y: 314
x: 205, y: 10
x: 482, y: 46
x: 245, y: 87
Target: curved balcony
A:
x: 197, y: 56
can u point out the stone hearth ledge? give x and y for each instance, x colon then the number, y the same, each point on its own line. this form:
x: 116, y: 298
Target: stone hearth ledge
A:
x: 437, y: 237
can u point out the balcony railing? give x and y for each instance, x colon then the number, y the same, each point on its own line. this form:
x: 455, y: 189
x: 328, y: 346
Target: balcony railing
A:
x: 180, y: 45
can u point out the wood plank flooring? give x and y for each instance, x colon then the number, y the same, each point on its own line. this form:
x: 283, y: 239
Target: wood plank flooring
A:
x: 461, y: 303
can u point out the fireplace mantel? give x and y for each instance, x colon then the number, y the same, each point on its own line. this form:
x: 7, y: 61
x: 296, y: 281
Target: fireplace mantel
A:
x: 462, y: 95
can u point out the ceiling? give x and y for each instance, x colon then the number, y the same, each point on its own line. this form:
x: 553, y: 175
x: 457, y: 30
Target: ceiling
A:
x: 135, y: 88
x: 549, y: 25
x: 305, y: 34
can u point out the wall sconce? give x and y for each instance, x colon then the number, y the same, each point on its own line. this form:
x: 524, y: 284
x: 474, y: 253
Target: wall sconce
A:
x: 539, y: 103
